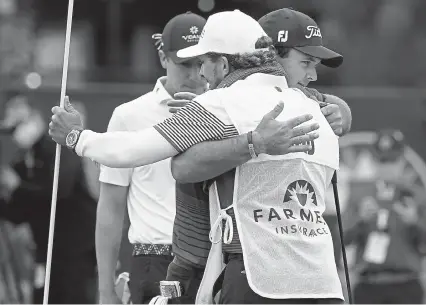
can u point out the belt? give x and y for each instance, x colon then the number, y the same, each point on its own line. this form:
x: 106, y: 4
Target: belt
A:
x: 150, y: 249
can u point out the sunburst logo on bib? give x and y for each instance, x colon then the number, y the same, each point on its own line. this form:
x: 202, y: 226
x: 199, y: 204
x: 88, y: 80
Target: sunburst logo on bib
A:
x: 302, y: 192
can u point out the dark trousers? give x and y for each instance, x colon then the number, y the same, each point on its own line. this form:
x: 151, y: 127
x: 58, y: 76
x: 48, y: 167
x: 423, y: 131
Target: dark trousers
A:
x: 72, y: 280
x: 410, y: 292
x: 236, y: 290
x: 189, y: 277
x: 145, y: 275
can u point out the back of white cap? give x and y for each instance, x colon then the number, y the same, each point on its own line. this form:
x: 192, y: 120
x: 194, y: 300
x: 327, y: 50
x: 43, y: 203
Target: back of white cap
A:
x: 230, y: 32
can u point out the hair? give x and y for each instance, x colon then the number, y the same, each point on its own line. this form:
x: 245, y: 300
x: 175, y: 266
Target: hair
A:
x: 282, y: 51
x: 250, y: 60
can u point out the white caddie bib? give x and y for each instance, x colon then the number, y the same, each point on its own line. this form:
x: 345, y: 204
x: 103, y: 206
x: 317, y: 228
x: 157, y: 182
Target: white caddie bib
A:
x: 215, y: 264
x: 279, y: 201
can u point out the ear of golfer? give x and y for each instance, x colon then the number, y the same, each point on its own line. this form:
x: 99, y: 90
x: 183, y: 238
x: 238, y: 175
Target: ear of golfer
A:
x: 138, y: 148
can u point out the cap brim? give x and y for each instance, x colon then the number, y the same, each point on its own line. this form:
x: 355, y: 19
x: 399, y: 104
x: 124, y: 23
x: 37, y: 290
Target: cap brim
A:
x: 175, y: 58
x: 191, y: 52
x: 328, y: 57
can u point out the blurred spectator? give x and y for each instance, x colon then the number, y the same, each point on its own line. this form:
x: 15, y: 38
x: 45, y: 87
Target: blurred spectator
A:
x: 28, y: 185
x: 388, y: 227
x: 16, y: 263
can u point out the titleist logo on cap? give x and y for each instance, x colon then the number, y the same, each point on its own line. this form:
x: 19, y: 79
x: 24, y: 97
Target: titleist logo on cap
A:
x: 313, y: 31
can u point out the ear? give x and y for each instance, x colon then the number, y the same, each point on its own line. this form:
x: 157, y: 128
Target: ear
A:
x: 226, y: 66
x: 163, y: 58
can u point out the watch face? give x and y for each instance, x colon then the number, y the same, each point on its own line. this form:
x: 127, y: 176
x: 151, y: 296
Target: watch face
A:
x: 71, y: 138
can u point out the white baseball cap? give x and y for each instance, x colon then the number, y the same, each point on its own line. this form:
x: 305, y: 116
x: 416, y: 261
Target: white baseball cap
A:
x: 231, y: 32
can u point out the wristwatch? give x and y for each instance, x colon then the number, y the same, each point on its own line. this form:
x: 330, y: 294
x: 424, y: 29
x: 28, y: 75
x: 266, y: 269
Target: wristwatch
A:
x: 72, y: 138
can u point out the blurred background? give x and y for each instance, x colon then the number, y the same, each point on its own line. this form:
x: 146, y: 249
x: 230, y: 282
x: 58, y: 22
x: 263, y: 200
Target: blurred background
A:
x: 113, y: 60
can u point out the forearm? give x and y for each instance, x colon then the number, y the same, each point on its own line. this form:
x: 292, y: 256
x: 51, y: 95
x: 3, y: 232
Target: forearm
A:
x: 124, y: 149
x: 345, y: 110
x: 109, y: 226
x: 210, y: 159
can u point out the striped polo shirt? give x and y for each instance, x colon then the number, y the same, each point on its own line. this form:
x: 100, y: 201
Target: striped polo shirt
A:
x: 192, y: 224
x: 189, y: 126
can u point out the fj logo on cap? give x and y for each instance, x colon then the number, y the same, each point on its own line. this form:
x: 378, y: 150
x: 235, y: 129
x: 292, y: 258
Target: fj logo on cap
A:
x: 282, y: 36
x: 313, y: 31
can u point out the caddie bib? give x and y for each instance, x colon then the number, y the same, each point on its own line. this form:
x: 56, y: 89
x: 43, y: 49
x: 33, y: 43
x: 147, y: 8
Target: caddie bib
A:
x: 279, y: 201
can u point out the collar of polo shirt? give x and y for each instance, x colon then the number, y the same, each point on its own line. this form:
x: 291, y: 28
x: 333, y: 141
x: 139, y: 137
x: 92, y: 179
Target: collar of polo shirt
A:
x: 160, y: 91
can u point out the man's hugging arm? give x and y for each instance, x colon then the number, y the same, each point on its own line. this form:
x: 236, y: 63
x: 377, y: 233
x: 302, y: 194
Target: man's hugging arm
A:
x: 191, y: 125
x: 336, y: 110
x: 210, y: 159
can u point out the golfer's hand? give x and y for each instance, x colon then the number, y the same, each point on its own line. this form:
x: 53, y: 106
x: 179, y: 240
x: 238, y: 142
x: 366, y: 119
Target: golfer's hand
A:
x: 274, y: 137
x: 63, y: 121
x: 180, y: 100
x: 334, y: 117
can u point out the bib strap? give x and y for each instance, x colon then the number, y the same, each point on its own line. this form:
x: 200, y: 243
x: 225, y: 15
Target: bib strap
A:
x: 229, y: 229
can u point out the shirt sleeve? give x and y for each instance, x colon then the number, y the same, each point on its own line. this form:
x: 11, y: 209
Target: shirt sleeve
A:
x: 198, y: 122
x: 124, y: 149
x: 116, y: 176
x: 201, y: 120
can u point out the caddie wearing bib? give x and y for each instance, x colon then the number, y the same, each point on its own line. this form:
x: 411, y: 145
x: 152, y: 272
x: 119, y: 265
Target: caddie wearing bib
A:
x: 278, y: 200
